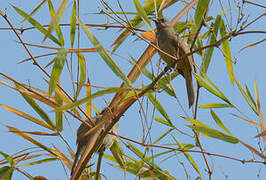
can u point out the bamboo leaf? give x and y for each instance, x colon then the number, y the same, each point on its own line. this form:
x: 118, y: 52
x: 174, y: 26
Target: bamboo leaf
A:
x: 189, y: 158
x: 163, y: 135
x: 159, y: 107
x: 56, y: 19
x: 8, y: 158
x: 208, y: 53
x: 39, y: 161
x: 58, y: 28
x: 37, y: 25
x: 200, y: 14
x: 34, y: 10
x: 216, y: 105
x: 219, y: 122
x: 59, y: 114
x: 57, y: 68
x: 30, y: 139
x: 36, y: 107
x: 97, y: 94
x: 208, y: 87
x: 227, y: 53
x: 161, y: 120
x: 142, y: 13
x: 247, y: 97
x: 82, y: 73
x: 210, y: 132
x: 73, y: 22
x: 105, y: 56
x: 27, y: 116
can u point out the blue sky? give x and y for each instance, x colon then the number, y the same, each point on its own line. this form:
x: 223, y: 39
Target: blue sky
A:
x: 250, y: 66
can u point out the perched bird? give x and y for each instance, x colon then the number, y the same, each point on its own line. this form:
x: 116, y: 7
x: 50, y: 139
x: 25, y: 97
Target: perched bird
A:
x: 82, y: 140
x: 170, y: 43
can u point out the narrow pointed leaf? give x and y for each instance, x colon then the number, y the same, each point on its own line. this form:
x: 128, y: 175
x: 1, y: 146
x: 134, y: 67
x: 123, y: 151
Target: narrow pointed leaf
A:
x: 37, y: 25
x: 57, y: 68
x: 105, y: 56
x: 36, y: 108
x: 165, y: 122
x: 247, y: 96
x: 142, y: 13
x: 82, y: 73
x: 216, y: 105
x: 210, y: 132
x: 208, y: 53
x: 34, y: 10
x: 201, y: 10
x: 73, y: 22
x: 27, y: 116
x: 8, y: 158
x: 56, y: 19
x: 227, y: 53
x: 40, y: 161
x: 30, y: 139
x: 163, y: 135
x: 189, y: 158
x: 58, y: 28
x: 97, y: 94
x: 159, y: 107
x: 219, y: 122
x: 208, y: 87
x: 59, y: 114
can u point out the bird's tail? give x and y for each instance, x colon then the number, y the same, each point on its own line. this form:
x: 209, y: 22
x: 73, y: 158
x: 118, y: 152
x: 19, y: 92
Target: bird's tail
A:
x: 190, y: 90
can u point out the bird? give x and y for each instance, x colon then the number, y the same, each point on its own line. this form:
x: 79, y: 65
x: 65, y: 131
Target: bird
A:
x: 170, y: 43
x: 82, y: 140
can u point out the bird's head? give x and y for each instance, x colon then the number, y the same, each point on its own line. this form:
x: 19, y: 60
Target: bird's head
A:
x: 161, y: 22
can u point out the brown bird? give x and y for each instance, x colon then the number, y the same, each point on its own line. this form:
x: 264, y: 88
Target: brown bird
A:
x: 82, y: 140
x: 170, y: 43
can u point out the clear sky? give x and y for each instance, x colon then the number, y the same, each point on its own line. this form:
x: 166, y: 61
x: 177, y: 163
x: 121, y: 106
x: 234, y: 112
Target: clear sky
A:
x: 250, y: 65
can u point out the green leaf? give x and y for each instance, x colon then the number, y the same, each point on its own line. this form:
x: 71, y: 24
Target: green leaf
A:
x: 189, y: 158
x: 163, y: 135
x: 57, y: 68
x: 216, y: 105
x: 59, y: 115
x: 97, y: 94
x: 82, y: 73
x: 219, y: 122
x: 227, y: 52
x: 208, y: 87
x: 208, y: 53
x: 200, y: 14
x: 39, y: 161
x: 36, y: 24
x: 8, y: 158
x: 105, y: 56
x: 58, y: 28
x: 34, y: 11
x: 159, y: 107
x: 73, y: 22
x: 161, y: 120
x: 247, y: 96
x: 30, y: 139
x: 141, y: 155
x: 142, y: 13
x: 210, y: 132
x: 36, y: 107
x: 56, y: 19
x: 27, y: 116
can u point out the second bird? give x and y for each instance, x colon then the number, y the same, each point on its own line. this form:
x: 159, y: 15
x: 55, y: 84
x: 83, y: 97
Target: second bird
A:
x: 170, y: 43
